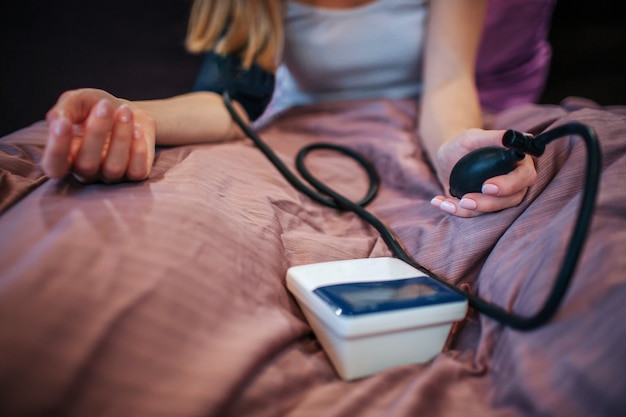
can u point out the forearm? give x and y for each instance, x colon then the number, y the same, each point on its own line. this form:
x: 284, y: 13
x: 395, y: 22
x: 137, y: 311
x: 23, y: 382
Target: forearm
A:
x: 190, y: 118
x: 450, y: 102
x: 448, y: 111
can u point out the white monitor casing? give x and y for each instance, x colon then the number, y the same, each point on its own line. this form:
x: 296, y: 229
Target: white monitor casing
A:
x: 364, y: 344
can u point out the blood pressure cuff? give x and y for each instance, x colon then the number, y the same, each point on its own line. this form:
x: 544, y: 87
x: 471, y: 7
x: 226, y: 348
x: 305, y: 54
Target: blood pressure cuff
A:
x: 252, y: 87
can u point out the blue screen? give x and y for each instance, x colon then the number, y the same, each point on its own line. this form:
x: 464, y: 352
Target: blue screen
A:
x: 371, y: 297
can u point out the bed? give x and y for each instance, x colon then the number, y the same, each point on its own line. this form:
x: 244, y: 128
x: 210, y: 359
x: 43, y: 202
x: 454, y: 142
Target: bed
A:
x: 167, y: 297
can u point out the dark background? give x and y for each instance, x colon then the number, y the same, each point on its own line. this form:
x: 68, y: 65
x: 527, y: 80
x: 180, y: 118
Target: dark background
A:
x: 589, y: 52
x: 131, y: 48
x: 135, y: 49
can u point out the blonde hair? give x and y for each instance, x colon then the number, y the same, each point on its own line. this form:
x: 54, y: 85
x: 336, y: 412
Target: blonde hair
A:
x: 251, y: 28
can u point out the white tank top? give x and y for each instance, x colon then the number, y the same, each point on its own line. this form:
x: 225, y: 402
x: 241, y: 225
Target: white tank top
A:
x: 371, y: 51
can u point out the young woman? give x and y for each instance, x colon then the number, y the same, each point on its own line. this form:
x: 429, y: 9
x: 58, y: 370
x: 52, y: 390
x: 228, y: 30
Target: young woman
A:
x: 326, y: 50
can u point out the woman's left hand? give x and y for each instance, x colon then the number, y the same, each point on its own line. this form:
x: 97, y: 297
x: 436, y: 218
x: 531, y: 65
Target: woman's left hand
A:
x: 498, y: 193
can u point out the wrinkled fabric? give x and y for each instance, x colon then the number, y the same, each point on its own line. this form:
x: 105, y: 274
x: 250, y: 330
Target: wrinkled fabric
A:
x: 167, y: 297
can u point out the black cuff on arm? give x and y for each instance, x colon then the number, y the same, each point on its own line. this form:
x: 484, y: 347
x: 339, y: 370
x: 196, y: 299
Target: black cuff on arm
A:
x: 252, y: 87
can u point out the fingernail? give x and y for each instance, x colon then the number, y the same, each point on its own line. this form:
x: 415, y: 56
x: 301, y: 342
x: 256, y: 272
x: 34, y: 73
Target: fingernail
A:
x: 468, y: 204
x: 436, y: 201
x: 137, y: 132
x: 80, y: 178
x: 125, y: 114
x: 448, y: 207
x: 103, y: 109
x: 490, y: 189
x: 61, y: 126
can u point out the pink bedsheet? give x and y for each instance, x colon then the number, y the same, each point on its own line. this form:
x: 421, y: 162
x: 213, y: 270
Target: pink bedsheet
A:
x: 167, y: 297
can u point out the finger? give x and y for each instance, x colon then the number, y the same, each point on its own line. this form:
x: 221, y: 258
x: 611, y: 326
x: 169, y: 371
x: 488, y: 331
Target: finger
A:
x: 522, y: 177
x: 488, y: 204
x: 57, y: 110
x: 56, y: 158
x: 118, y: 153
x: 76, y: 105
x: 452, y: 206
x: 141, y: 154
x: 97, y: 130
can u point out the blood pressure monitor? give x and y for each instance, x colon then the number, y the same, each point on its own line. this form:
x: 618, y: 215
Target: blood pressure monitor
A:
x: 376, y: 313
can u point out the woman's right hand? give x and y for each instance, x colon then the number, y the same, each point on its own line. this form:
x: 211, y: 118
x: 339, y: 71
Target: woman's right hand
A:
x: 96, y: 136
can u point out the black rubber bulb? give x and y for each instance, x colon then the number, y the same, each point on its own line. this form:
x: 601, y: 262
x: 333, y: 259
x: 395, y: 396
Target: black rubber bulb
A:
x: 471, y: 171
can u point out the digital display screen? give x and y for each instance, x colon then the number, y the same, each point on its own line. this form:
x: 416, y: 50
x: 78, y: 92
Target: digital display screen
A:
x: 369, y: 297
x: 385, y: 294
